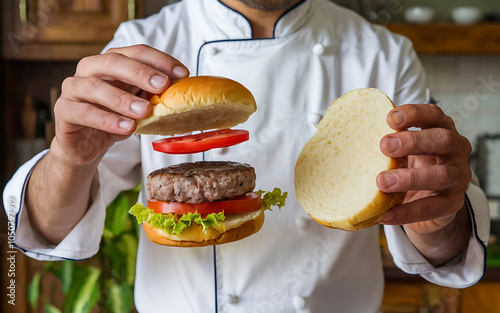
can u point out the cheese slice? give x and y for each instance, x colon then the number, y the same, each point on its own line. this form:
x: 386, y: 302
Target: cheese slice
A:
x: 231, y: 221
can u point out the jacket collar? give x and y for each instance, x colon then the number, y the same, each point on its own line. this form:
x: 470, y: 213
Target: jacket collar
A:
x: 235, y: 26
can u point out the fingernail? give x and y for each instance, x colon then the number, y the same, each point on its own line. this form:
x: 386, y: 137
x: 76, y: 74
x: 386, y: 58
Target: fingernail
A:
x: 397, y: 117
x: 138, y: 106
x: 388, y: 216
x: 125, y: 124
x: 388, y: 180
x: 180, y: 71
x: 392, y: 144
x: 158, y: 81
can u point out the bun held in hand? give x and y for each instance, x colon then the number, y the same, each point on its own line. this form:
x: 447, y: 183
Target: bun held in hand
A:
x: 336, y: 171
x: 198, y: 103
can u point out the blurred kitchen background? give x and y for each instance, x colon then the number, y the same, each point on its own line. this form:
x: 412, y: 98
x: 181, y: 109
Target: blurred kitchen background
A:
x: 459, y: 45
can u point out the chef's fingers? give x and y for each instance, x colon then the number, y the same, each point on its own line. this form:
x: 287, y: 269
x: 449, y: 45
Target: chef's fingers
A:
x: 440, y: 209
x: 73, y: 115
x: 426, y: 115
x: 131, y: 89
x: 96, y: 91
x: 115, y: 66
x: 154, y: 58
x: 434, y: 141
x: 124, y: 86
x: 435, y: 177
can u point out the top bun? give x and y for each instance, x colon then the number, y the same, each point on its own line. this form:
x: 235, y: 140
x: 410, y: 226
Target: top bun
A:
x: 198, y: 103
x: 335, y: 174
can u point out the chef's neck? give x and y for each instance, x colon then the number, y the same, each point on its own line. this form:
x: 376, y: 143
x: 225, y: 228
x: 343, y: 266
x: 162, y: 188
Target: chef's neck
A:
x: 262, y: 21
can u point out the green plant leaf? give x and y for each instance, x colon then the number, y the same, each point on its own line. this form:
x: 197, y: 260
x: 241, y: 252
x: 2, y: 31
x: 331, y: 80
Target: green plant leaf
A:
x: 94, y: 298
x: 83, y: 292
x: 130, y: 224
x: 114, y: 254
x: 121, y: 254
x: 34, y: 290
x: 110, y: 213
x: 121, y: 215
x: 53, y: 267
x: 49, y: 308
x: 129, y: 246
x: 117, y: 212
x: 107, y: 235
x: 47, y: 266
x: 66, y: 274
x: 136, y: 190
x: 120, y: 298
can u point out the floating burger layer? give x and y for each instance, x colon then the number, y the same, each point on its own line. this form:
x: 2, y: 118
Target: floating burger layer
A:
x: 207, y: 202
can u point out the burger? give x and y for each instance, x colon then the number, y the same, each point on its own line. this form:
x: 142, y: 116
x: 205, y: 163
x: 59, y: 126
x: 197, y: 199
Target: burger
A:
x: 202, y: 203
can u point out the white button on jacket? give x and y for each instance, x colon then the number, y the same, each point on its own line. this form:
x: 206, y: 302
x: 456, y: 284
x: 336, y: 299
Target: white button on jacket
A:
x: 299, y: 302
x: 301, y: 222
x: 314, y: 118
x: 231, y: 299
x: 329, y: 268
x: 318, y: 49
x: 211, y: 50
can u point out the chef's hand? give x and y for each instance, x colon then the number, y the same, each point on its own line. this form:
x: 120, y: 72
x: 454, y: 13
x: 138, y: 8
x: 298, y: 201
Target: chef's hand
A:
x: 437, y: 174
x: 99, y: 104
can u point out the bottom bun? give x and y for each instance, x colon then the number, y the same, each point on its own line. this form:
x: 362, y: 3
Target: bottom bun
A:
x: 210, y: 237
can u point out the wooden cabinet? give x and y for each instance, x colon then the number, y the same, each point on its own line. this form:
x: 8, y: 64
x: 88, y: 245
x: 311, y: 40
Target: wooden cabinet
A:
x: 41, y: 42
x: 405, y: 293
x: 411, y: 293
x: 60, y: 29
x: 450, y: 38
x: 420, y: 298
x: 483, y: 297
x: 401, y: 297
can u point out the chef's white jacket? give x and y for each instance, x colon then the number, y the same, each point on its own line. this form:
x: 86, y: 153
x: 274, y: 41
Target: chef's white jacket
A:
x: 319, y: 51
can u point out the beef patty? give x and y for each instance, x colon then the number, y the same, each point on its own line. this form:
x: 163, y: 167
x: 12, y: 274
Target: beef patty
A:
x: 201, y: 181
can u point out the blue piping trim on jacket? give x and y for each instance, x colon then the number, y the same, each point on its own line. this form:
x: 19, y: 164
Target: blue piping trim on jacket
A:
x: 198, y: 73
x: 274, y: 27
x: 215, y: 281
x: 285, y: 13
x: 242, y: 39
x: 215, y: 259
x: 483, y: 245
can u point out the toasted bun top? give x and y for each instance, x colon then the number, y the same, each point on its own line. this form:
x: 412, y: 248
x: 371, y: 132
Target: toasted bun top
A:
x: 335, y: 174
x: 198, y: 103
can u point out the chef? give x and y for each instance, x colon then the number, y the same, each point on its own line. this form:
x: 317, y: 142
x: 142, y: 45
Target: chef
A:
x: 296, y: 57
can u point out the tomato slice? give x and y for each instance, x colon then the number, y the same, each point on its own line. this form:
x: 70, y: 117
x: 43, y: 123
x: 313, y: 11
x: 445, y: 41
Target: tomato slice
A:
x: 246, y: 203
x: 201, y: 142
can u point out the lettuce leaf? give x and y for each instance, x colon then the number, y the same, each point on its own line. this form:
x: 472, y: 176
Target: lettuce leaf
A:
x: 172, y: 224
x: 272, y: 198
x: 213, y: 219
